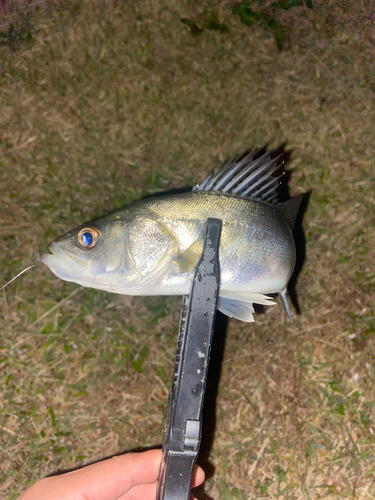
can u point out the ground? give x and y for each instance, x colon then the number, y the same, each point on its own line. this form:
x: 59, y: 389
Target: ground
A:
x: 101, y: 104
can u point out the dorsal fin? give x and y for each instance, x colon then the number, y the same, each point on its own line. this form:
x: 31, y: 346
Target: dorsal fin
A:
x: 290, y: 209
x: 250, y: 177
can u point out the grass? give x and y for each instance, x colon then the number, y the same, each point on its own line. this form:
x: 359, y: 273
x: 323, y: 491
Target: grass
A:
x: 103, y: 104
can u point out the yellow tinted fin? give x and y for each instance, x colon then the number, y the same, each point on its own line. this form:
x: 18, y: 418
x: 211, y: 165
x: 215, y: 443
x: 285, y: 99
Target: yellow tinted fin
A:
x: 188, y: 259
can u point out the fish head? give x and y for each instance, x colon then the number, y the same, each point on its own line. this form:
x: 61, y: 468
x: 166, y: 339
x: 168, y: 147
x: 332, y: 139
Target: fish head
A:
x: 93, y: 255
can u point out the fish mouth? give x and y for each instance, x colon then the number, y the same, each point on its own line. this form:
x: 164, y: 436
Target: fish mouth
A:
x: 63, y: 265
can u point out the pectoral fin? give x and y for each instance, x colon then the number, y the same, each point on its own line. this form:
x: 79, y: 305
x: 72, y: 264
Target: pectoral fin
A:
x: 188, y: 259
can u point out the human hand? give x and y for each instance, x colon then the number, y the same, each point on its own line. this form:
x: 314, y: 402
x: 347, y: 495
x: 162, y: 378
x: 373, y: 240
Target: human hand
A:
x: 132, y: 476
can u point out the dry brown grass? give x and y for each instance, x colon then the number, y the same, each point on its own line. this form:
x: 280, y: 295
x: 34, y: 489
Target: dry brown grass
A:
x: 111, y: 101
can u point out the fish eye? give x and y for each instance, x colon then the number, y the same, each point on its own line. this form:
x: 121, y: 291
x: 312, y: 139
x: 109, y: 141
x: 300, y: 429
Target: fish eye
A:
x: 88, y: 237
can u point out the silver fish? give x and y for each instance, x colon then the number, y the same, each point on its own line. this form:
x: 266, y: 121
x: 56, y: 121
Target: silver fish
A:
x: 152, y: 246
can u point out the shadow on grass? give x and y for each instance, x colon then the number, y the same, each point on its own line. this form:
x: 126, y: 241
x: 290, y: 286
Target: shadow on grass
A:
x: 210, y: 401
x: 300, y: 241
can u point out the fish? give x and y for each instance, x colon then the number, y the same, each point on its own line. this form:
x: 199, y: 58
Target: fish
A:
x: 152, y: 246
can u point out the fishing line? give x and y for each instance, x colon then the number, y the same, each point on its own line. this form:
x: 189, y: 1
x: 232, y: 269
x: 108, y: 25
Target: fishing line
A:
x: 19, y: 274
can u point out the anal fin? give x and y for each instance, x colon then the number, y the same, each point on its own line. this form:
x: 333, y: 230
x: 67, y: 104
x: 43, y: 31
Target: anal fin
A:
x: 284, y: 301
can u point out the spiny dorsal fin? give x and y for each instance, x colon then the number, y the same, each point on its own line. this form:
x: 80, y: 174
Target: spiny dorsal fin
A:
x: 250, y: 177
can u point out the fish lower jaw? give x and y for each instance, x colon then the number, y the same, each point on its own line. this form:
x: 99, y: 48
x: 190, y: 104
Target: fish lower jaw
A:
x: 63, y: 266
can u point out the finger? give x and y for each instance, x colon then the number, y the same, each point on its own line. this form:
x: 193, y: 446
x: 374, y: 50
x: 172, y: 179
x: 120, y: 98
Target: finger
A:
x: 198, y: 476
x: 145, y: 491
x: 140, y: 492
x: 106, y: 480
